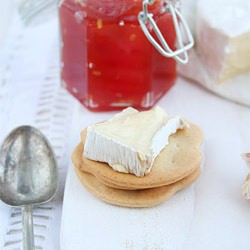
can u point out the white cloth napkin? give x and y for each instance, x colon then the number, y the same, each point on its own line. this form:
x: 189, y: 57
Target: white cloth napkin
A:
x: 6, y: 12
x: 30, y: 93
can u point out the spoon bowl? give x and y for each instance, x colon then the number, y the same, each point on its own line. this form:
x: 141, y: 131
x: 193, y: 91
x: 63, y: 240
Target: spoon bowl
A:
x: 28, y: 174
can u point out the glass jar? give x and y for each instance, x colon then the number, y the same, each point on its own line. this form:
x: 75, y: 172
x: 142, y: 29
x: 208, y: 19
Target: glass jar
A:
x: 113, y: 58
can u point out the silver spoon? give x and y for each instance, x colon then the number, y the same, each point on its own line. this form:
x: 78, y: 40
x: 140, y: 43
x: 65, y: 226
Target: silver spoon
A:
x: 28, y: 174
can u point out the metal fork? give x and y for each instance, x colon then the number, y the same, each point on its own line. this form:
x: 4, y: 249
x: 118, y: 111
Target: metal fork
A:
x: 31, y: 10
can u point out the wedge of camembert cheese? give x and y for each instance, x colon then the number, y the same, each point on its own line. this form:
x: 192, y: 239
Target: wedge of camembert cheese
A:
x: 131, y: 140
x: 223, y: 37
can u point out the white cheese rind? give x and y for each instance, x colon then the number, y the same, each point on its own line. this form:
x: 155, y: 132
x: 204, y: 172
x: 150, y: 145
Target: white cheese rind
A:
x: 172, y: 125
x: 121, y: 143
x: 223, y: 37
x: 120, y: 157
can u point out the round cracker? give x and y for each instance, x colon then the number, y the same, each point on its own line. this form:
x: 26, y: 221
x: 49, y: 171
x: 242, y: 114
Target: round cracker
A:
x: 177, y: 160
x: 133, y: 198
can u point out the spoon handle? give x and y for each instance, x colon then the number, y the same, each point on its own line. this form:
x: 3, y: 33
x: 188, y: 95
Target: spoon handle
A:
x: 28, y: 233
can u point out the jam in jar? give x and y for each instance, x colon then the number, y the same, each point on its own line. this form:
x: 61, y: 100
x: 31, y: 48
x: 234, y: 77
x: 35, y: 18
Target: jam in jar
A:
x: 107, y: 60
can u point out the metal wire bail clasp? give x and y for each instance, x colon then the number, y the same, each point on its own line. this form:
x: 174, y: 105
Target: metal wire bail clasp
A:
x: 180, y: 54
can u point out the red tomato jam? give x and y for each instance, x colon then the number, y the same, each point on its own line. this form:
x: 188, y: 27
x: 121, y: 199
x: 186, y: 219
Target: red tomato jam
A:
x: 107, y: 61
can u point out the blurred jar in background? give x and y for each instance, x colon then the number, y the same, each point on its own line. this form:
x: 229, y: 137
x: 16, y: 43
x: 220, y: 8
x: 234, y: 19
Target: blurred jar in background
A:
x: 110, y: 55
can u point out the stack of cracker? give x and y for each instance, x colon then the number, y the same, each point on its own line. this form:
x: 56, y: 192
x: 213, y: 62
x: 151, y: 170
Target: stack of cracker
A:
x: 176, y: 167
